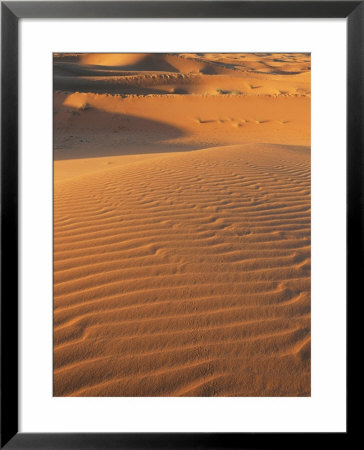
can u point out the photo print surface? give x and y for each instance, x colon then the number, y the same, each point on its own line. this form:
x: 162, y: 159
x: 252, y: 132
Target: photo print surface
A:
x: 182, y: 223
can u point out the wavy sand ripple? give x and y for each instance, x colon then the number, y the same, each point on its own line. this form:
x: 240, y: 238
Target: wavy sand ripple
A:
x: 187, y: 274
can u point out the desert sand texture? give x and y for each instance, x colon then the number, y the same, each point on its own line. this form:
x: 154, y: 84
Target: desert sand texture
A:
x: 182, y: 224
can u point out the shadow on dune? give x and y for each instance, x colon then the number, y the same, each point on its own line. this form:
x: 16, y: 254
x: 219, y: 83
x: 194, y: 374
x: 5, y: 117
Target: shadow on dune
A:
x: 155, y: 62
x: 92, y: 133
x: 74, y: 70
x: 112, y: 86
x: 152, y: 62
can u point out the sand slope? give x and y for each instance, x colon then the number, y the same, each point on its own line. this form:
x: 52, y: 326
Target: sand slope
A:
x: 185, y: 275
x: 182, y: 228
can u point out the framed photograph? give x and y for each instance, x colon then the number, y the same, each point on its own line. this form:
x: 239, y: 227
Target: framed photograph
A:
x: 182, y: 203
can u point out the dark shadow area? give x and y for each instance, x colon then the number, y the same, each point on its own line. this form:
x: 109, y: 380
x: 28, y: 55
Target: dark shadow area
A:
x: 90, y: 132
x: 206, y: 121
x: 74, y: 84
x: 155, y: 62
x: 208, y: 70
x: 276, y: 72
x: 281, y: 72
x: 74, y: 69
x: 152, y: 62
x: 179, y: 91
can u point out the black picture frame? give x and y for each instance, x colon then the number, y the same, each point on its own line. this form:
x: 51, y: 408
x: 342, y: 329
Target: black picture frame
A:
x: 11, y: 12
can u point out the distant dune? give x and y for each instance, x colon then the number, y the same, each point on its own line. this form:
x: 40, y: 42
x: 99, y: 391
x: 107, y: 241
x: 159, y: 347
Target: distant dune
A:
x: 145, y: 74
x: 182, y: 225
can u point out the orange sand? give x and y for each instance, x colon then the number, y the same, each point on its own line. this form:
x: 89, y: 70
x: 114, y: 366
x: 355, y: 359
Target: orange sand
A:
x: 182, y: 225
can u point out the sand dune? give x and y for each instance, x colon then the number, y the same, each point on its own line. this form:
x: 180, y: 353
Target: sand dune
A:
x: 182, y: 225
x: 143, y: 74
x: 181, y: 267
